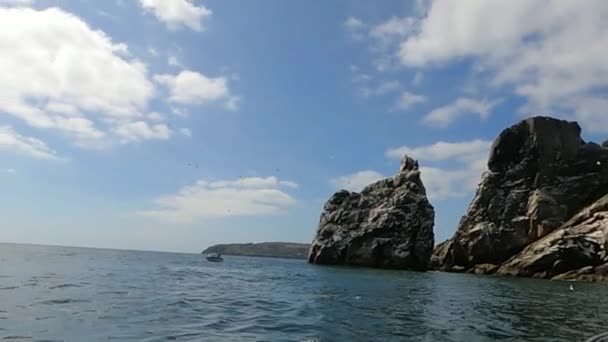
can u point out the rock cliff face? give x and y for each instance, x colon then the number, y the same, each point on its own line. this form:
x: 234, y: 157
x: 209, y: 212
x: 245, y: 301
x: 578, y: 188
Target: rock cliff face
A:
x: 541, y: 174
x: 388, y: 225
x: 576, y: 250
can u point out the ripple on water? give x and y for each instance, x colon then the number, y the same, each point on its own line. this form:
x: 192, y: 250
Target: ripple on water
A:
x: 17, y: 337
x: 9, y: 287
x: 63, y: 286
x: 64, y: 301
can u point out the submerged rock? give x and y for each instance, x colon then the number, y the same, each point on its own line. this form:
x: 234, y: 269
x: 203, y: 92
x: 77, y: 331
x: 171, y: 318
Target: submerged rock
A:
x: 389, y: 224
x: 541, y: 173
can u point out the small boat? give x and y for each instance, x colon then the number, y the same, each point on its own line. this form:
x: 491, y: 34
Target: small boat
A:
x: 214, y: 257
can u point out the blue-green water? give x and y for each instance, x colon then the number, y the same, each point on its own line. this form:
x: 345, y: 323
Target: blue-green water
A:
x: 77, y: 294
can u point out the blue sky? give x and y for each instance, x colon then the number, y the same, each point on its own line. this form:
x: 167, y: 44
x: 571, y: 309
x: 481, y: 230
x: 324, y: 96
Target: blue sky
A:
x: 172, y: 125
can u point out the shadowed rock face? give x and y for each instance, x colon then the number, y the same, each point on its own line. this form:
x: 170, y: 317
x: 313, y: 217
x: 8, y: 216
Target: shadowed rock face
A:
x: 388, y: 225
x: 541, y: 173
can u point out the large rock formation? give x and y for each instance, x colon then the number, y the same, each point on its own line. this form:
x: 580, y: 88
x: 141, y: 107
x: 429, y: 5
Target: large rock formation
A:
x: 576, y: 250
x: 388, y: 225
x: 541, y: 173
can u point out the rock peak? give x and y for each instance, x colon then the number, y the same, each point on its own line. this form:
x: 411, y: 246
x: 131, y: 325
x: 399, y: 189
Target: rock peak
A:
x: 536, y: 141
x: 389, y: 224
x: 408, y: 164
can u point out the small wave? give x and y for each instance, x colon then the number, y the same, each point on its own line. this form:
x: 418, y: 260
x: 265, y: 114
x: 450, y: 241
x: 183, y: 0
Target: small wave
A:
x: 65, y: 301
x: 186, y: 335
x: 9, y: 288
x: 17, y: 338
x: 113, y: 292
x: 61, y: 286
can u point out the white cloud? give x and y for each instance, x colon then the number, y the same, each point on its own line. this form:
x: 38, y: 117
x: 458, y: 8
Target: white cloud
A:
x: 393, y: 28
x: 141, y: 130
x: 444, y: 116
x: 441, y: 150
x: 551, y: 53
x: 356, y: 181
x: 62, y: 75
x: 186, y: 132
x: 191, y: 87
x: 9, y: 170
x: 361, y: 77
x: 173, y: 61
x: 417, y: 78
x: 467, y: 160
x: 381, y: 89
x: 155, y: 116
x: 153, y: 51
x: 253, y: 196
x: 354, y: 24
x: 12, y: 141
x: 177, y: 13
x: 233, y: 103
x: 407, y: 100
x: 16, y: 2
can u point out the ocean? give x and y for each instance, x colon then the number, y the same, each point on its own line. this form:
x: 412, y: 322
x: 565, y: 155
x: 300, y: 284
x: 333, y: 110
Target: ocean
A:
x: 81, y: 294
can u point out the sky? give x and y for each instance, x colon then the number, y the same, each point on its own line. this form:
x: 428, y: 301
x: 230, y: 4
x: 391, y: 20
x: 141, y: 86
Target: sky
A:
x: 173, y: 125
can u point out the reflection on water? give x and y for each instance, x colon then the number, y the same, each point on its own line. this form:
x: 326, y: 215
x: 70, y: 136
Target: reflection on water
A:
x: 74, y: 294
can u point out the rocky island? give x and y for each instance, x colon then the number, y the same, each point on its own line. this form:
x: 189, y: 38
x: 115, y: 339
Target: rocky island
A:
x: 389, y: 224
x: 540, y: 211
x: 287, y: 250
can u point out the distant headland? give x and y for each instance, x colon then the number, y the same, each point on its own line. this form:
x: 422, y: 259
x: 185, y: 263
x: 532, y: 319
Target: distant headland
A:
x: 288, y: 250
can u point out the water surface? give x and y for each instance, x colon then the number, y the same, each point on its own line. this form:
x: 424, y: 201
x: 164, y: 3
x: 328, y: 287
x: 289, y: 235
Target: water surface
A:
x: 78, y: 294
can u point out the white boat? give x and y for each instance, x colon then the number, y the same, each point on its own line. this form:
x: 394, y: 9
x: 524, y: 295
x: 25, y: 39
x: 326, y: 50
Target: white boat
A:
x: 214, y: 257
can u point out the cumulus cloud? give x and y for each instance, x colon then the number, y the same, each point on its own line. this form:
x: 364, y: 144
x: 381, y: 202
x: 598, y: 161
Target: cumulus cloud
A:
x: 356, y: 181
x: 177, y: 13
x: 76, y: 80
x: 252, y: 196
x: 551, y: 53
x: 191, y: 87
x: 11, y: 141
x: 467, y: 160
x: 444, y: 116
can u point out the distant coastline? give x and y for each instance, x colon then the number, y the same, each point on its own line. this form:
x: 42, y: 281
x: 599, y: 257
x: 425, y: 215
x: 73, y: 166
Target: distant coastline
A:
x: 289, y: 250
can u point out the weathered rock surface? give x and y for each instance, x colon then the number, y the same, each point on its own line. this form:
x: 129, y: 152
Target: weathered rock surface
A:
x: 578, y: 249
x: 541, y: 173
x: 388, y: 225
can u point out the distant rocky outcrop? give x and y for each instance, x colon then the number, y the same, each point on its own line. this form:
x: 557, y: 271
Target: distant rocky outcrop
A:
x: 528, y: 215
x: 389, y: 224
x: 288, y: 250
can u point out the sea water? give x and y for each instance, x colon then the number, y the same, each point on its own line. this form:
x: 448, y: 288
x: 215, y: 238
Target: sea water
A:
x: 79, y: 294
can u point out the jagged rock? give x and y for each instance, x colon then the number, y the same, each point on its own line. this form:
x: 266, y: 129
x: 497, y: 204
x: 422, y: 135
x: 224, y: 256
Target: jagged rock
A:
x: 540, y: 174
x: 588, y: 273
x: 576, y: 250
x: 388, y: 225
x: 483, y: 269
x: 605, y: 144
